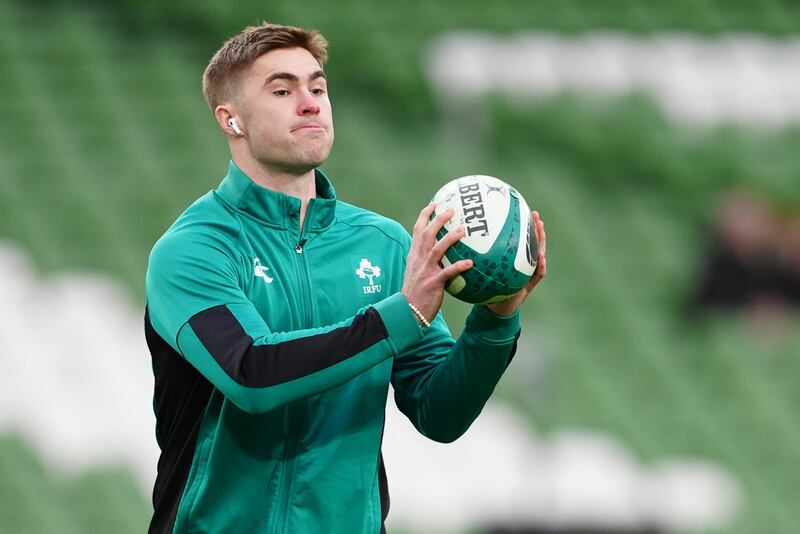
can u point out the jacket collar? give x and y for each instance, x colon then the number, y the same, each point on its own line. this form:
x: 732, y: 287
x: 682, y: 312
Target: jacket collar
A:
x: 274, y: 208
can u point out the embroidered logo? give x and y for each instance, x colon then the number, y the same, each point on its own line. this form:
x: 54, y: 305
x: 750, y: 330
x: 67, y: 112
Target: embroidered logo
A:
x: 367, y: 270
x: 499, y: 189
x: 258, y: 271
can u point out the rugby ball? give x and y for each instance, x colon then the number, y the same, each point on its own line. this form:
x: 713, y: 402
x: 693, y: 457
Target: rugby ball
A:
x: 499, y: 238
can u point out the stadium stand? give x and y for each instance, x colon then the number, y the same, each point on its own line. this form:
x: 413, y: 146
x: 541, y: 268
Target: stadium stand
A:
x: 107, y: 139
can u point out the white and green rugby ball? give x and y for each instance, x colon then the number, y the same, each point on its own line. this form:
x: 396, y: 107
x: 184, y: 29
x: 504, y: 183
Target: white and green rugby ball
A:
x: 499, y: 238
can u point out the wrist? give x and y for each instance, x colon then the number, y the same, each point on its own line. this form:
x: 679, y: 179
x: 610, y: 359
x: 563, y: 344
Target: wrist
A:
x: 490, y: 327
x: 501, y: 309
x: 418, y: 314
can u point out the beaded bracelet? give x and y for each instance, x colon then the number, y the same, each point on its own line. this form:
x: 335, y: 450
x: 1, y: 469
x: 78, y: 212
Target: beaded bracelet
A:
x: 419, y: 315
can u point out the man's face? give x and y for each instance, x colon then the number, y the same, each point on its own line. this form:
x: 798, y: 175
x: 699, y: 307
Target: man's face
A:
x: 284, y: 105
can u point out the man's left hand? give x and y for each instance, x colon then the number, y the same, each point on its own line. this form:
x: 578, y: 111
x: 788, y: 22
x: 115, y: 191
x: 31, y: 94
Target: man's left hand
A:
x: 508, y: 307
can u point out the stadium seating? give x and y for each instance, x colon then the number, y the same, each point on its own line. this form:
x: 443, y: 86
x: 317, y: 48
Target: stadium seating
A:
x: 36, y: 500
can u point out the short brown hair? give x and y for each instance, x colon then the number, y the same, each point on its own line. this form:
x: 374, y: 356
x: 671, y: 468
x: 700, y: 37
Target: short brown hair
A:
x: 241, y: 50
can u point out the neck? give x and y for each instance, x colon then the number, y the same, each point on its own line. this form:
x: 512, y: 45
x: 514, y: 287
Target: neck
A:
x: 302, y: 186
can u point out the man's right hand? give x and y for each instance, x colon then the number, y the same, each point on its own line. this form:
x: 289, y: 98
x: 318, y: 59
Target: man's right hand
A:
x: 423, y: 285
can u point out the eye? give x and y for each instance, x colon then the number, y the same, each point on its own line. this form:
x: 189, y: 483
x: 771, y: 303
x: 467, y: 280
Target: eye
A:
x: 280, y: 92
x: 318, y: 91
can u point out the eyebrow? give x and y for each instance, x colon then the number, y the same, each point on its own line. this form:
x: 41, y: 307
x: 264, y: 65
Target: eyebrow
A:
x: 291, y: 77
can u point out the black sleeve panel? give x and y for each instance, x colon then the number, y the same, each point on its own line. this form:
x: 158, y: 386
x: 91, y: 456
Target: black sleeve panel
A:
x: 260, y: 366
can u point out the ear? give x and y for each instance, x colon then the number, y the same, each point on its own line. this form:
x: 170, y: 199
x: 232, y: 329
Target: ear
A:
x: 223, y: 113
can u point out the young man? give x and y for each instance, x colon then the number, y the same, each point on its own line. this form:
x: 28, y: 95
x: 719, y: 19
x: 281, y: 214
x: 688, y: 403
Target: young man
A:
x: 278, y: 315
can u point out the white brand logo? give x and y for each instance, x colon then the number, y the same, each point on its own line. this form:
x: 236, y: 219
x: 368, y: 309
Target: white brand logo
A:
x: 367, y: 270
x: 258, y: 271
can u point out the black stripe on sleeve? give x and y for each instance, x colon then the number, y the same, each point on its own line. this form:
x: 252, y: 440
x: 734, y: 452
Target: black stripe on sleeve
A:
x: 261, y: 366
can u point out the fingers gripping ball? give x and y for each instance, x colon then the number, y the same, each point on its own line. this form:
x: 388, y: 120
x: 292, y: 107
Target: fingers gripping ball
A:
x: 499, y: 238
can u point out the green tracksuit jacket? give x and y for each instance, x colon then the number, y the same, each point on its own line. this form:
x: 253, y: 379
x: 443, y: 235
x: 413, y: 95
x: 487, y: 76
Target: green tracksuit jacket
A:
x: 273, y: 348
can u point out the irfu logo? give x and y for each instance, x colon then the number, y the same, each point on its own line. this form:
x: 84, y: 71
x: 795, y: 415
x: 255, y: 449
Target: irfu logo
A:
x: 367, y: 270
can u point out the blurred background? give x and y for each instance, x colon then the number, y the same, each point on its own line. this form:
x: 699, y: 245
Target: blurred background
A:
x: 656, y: 384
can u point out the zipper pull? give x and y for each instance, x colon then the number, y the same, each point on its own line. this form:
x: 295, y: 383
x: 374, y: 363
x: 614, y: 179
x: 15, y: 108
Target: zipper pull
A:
x: 299, y: 246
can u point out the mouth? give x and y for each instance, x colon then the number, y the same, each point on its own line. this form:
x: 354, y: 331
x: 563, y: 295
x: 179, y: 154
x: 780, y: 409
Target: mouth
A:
x: 310, y: 126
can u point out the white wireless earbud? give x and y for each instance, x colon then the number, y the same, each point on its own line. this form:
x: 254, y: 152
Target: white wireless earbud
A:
x: 234, y: 125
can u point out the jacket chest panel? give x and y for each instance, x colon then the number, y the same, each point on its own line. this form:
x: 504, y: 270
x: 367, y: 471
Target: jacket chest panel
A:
x: 333, y: 277
x: 348, y: 275
x: 271, y: 275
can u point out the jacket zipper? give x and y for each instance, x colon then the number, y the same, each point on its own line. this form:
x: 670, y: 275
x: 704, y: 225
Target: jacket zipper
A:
x: 302, y: 269
x: 297, y: 415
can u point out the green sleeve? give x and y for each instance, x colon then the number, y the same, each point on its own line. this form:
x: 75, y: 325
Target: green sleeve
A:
x: 442, y: 384
x: 196, y: 304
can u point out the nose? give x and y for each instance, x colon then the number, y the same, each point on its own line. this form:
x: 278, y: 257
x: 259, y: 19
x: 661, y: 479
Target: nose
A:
x: 308, y: 104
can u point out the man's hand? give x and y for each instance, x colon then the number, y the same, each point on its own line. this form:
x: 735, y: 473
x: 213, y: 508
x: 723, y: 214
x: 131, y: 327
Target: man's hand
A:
x: 423, y: 285
x: 508, y: 307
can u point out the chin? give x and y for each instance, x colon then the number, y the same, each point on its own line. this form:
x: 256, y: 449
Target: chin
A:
x: 301, y: 165
x: 298, y: 161
x: 315, y: 158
